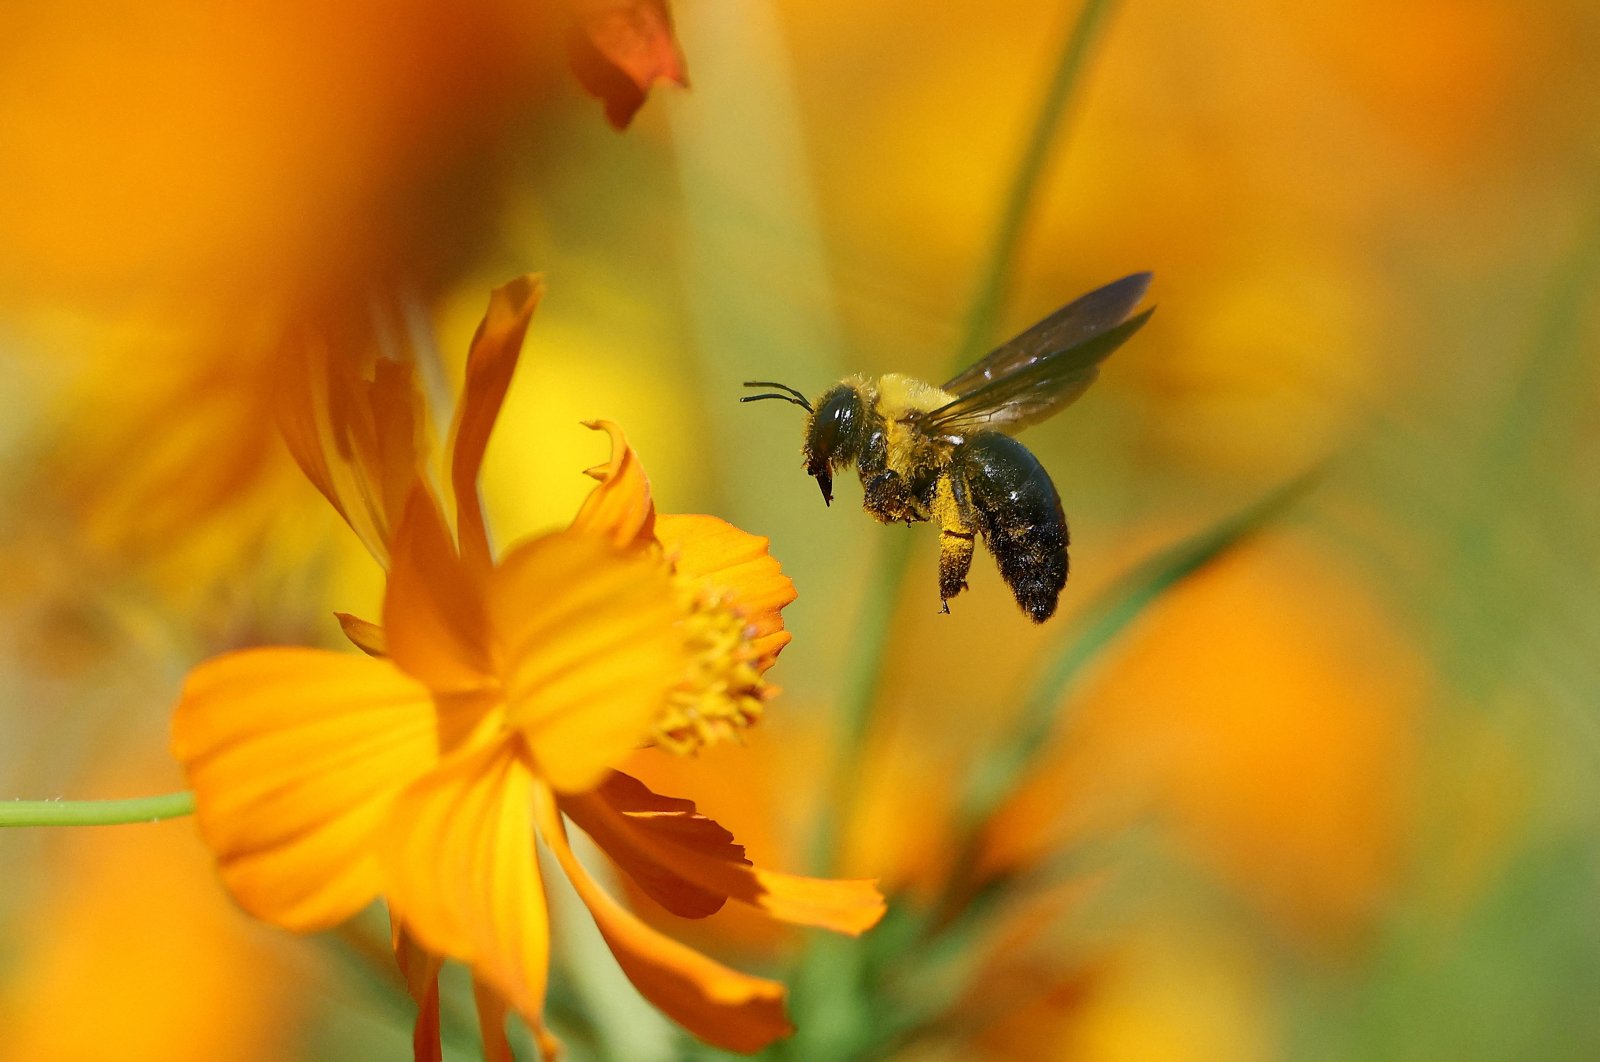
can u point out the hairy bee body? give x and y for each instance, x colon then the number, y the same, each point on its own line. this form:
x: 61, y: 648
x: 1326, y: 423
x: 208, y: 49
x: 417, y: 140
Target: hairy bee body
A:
x: 882, y: 434
x: 1021, y: 518
x: 987, y: 484
x: 945, y: 454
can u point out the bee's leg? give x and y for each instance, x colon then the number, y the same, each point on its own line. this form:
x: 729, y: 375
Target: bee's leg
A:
x: 957, y: 529
x: 955, y: 559
x: 887, y: 499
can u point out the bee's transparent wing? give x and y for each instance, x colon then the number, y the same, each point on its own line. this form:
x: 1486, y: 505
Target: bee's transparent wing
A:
x: 1039, y: 388
x: 1081, y: 319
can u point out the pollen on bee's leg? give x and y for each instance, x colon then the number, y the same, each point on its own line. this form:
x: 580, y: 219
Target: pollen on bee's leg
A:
x: 723, y: 693
x: 955, y: 560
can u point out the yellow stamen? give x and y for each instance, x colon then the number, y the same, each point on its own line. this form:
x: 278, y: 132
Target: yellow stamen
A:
x: 723, y: 692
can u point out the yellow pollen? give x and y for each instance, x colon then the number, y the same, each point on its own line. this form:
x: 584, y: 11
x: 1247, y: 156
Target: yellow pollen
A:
x: 722, y: 693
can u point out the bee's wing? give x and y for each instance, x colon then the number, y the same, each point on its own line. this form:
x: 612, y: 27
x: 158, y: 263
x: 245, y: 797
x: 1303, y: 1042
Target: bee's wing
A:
x: 1038, y: 388
x: 1079, y: 320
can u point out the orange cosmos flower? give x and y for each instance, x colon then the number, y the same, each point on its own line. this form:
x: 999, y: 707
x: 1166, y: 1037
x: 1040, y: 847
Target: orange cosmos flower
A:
x: 494, y: 700
x: 619, y: 49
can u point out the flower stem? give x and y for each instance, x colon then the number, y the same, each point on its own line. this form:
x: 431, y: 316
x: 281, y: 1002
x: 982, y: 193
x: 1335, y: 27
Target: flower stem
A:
x: 1040, y: 719
x: 830, y: 979
x: 1022, y: 198
x: 1000, y: 774
x: 863, y: 676
x: 869, y: 653
x: 95, y: 812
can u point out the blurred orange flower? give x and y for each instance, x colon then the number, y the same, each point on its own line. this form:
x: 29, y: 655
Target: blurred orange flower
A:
x: 619, y: 48
x: 1266, y: 714
x: 273, y: 167
x: 185, y: 979
x: 496, y: 696
x: 284, y: 154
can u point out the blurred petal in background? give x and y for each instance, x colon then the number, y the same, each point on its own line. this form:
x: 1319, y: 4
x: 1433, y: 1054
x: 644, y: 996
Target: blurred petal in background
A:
x: 1332, y: 798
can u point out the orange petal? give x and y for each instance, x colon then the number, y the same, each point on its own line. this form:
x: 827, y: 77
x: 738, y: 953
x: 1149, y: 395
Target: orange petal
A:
x: 458, y: 858
x: 623, y: 816
x: 434, y: 613
x: 619, y: 48
x: 360, y: 442
x: 420, y: 970
x: 303, y: 413
x: 490, y: 364
x: 427, y: 1036
x: 491, y: 1007
x: 850, y: 906
x: 294, y: 756
x: 737, y: 562
x: 363, y: 634
x: 620, y: 507
x: 675, y: 853
x: 721, y: 1006
x: 399, y: 436
x: 590, y: 647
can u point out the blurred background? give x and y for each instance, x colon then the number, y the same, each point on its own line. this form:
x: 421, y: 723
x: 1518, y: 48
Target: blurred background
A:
x: 1335, y: 796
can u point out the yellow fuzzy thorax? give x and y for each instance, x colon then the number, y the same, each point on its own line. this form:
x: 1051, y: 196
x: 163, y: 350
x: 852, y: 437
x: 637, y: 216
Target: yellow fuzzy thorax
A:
x: 899, y: 395
x: 898, y: 399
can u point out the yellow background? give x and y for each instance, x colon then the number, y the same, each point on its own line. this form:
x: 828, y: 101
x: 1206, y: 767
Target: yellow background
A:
x: 1332, y: 798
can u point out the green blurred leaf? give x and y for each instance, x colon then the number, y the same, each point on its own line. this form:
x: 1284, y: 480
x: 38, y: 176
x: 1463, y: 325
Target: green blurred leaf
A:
x: 1045, y: 138
x: 870, y: 647
x: 1104, y: 622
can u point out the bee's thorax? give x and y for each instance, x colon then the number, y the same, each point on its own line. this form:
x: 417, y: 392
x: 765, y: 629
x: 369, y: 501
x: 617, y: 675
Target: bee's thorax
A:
x: 900, y: 396
x: 902, y: 402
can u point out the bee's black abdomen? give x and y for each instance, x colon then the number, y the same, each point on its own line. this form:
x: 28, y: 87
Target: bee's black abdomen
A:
x: 1021, y: 519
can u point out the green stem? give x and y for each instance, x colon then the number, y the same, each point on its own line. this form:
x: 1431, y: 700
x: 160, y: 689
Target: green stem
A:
x: 829, y: 982
x: 1112, y: 614
x: 1004, y: 770
x: 1023, y: 196
x: 865, y: 670
x: 95, y: 812
x: 967, y: 904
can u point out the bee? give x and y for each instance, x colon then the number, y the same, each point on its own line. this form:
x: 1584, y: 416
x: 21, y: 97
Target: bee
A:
x: 946, y: 454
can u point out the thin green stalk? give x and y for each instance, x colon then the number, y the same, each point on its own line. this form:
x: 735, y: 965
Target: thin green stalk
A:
x: 362, y: 946
x: 1112, y: 614
x: 1023, y: 197
x: 829, y: 985
x: 999, y: 774
x: 95, y: 812
x: 864, y: 672
x: 1554, y: 371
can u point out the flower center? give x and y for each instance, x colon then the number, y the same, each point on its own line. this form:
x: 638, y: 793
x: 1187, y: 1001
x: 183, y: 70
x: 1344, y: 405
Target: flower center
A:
x: 723, y: 692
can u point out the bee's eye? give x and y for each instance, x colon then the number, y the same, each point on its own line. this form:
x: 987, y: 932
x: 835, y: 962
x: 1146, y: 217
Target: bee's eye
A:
x: 833, y: 436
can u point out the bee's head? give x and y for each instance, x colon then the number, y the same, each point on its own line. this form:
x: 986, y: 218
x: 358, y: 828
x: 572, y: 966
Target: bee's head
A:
x: 833, y: 435
x: 833, y: 430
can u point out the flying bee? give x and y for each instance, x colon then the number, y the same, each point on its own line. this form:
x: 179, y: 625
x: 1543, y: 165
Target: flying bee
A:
x: 946, y: 454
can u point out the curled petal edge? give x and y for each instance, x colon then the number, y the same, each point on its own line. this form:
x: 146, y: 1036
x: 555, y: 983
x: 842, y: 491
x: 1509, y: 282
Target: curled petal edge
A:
x: 721, y: 1006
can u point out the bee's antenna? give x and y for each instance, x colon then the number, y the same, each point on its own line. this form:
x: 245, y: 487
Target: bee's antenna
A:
x: 794, y: 396
x: 787, y: 398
